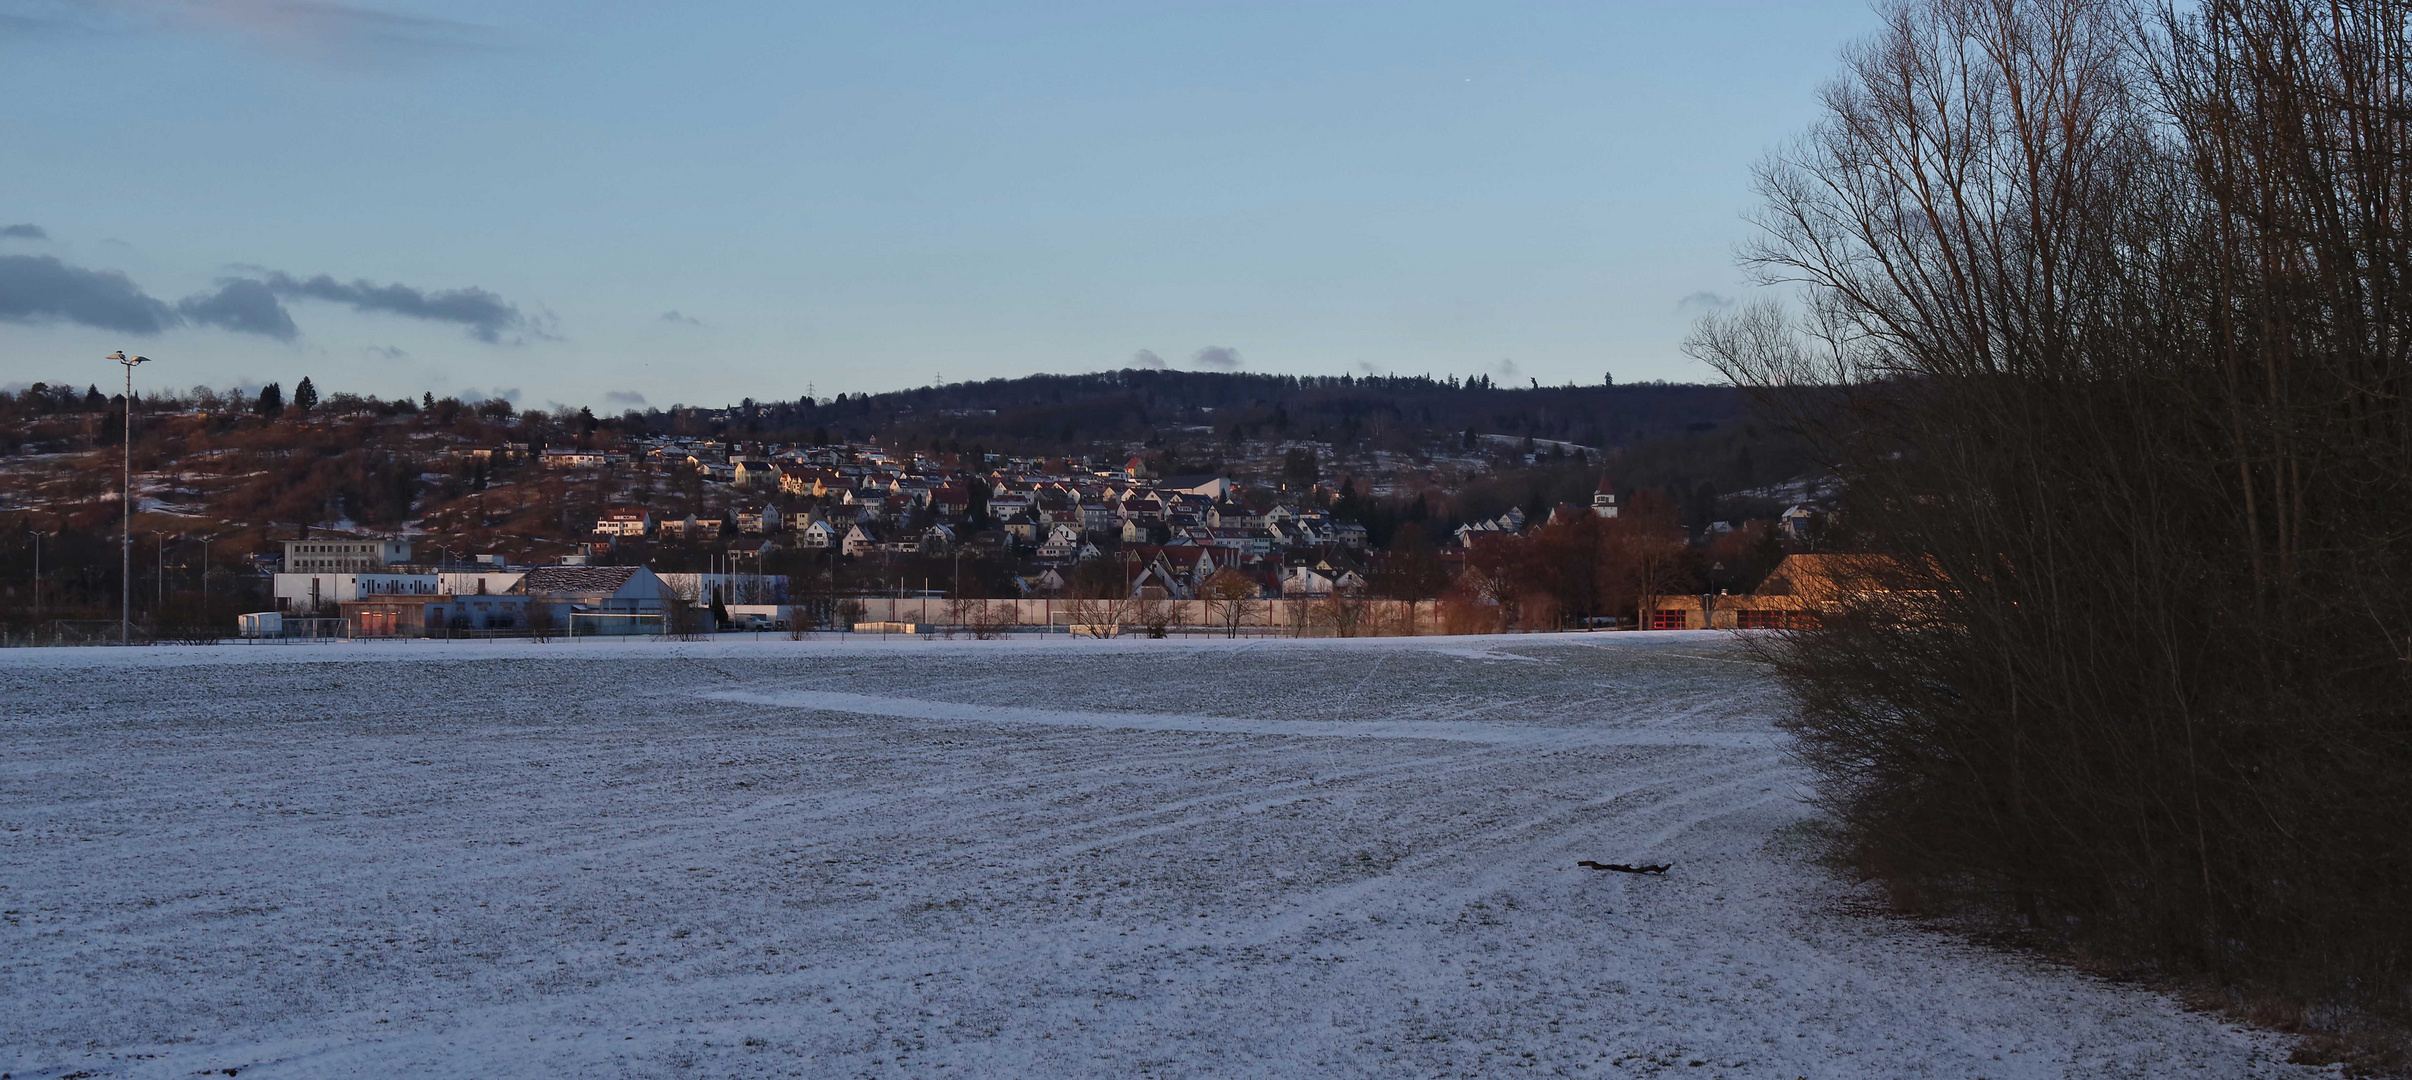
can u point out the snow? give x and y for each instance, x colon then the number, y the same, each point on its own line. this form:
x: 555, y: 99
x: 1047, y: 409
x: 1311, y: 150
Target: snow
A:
x: 1025, y: 858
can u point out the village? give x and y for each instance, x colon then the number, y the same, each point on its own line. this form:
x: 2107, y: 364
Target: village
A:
x: 1094, y: 549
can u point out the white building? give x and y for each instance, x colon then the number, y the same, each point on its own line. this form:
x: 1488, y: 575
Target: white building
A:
x: 323, y: 556
x: 302, y: 594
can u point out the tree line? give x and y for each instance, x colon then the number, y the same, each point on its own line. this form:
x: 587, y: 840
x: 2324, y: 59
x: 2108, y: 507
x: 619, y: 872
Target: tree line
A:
x: 2106, y: 313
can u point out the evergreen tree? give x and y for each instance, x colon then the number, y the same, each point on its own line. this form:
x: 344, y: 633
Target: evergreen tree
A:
x: 272, y: 401
x: 305, y: 395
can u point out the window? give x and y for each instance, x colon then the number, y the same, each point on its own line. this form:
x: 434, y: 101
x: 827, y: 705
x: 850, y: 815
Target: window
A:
x: 1666, y: 619
x: 1757, y: 619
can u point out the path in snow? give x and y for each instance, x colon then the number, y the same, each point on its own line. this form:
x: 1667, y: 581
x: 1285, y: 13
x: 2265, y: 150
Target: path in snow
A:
x: 1028, y: 859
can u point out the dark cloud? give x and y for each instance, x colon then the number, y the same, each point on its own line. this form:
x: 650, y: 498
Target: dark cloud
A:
x: 1147, y: 358
x: 387, y: 351
x: 473, y: 394
x: 23, y: 232
x: 624, y: 397
x: 1218, y: 357
x: 39, y: 288
x: 1509, y: 369
x: 483, y: 314
x: 682, y: 320
x: 1367, y: 366
x: 243, y: 306
x: 1704, y: 301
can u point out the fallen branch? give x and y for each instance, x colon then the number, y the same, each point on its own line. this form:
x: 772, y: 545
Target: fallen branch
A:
x: 1658, y: 868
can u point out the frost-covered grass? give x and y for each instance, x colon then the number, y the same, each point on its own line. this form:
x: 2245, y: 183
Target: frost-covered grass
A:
x: 1032, y: 858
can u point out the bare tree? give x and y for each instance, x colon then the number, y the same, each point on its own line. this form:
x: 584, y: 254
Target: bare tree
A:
x: 2105, y: 318
x: 1232, y: 597
x: 1344, y: 611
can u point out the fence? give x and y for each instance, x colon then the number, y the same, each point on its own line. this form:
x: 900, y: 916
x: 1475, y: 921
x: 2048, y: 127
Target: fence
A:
x: 1287, y: 617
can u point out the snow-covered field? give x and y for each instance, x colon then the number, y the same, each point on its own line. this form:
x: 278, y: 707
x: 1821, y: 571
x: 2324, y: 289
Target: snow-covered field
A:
x: 1016, y: 859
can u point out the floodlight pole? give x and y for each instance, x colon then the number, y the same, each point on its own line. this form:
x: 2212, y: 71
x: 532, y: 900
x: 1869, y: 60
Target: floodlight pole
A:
x: 125, y: 538
x: 159, y: 579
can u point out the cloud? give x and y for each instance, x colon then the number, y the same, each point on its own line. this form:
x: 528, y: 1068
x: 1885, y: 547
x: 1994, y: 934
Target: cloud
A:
x: 624, y: 397
x: 1148, y: 360
x: 473, y: 394
x: 682, y: 320
x: 1367, y: 366
x: 1704, y: 301
x: 482, y: 313
x: 39, y: 288
x: 23, y: 232
x: 321, y: 30
x: 387, y: 351
x: 1218, y: 357
x: 243, y: 306
x: 1508, y: 368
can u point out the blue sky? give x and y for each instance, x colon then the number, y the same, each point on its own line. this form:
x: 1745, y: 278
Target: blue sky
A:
x: 594, y: 203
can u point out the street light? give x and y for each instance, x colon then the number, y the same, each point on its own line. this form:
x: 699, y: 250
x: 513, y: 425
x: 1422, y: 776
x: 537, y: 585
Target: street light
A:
x: 159, y: 579
x: 125, y: 538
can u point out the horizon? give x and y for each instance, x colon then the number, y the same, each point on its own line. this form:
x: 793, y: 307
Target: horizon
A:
x: 654, y: 207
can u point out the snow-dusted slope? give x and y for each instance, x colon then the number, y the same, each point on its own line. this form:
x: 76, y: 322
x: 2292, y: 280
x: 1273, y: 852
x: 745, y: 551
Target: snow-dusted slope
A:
x: 1275, y: 859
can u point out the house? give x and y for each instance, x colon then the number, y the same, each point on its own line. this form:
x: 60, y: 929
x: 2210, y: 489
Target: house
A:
x: 758, y: 520
x: 567, y: 458
x: 1061, y: 543
x: 806, y: 480
x: 859, y: 541
x: 690, y: 527
x: 624, y: 521
x: 1796, y: 593
x: 1022, y: 527
x: 754, y: 473
x: 816, y: 534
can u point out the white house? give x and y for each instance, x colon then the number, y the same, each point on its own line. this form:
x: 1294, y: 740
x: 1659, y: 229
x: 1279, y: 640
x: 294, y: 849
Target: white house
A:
x: 624, y: 521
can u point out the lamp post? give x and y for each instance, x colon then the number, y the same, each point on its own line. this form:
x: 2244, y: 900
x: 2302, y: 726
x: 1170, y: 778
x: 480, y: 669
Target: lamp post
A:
x: 159, y: 577
x: 125, y: 538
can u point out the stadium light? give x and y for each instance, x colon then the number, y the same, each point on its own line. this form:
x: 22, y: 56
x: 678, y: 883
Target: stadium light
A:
x: 125, y: 539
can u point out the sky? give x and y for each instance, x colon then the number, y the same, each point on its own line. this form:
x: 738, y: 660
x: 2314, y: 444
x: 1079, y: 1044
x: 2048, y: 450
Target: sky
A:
x: 614, y: 204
